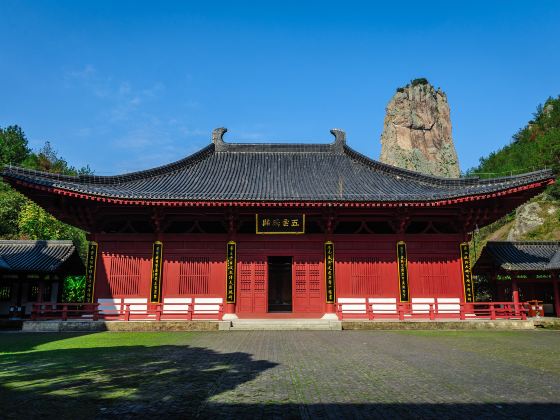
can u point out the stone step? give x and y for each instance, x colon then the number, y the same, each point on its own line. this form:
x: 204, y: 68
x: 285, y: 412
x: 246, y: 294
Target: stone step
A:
x: 284, y: 324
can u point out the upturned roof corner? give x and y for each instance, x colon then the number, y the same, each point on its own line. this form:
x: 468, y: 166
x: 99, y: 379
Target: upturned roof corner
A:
x: 218, y: 138
x: 339, y: 139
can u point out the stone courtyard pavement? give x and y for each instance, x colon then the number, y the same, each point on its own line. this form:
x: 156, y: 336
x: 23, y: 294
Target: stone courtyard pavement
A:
x: 312, y: 374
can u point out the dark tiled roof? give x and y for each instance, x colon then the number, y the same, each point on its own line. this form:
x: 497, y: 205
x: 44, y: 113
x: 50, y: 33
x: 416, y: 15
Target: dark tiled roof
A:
x: 276, y: 172
x: 520, y: 256
x: 40, y: 257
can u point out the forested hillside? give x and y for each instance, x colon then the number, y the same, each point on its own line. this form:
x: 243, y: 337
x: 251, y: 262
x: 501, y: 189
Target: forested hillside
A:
x: 535, y: 146
x: 20, y: 218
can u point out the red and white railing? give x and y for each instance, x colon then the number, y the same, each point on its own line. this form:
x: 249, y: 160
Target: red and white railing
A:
x: 128, y: 311
x: 64, y: 311
x: 433, y: 311
x: 205, y: 310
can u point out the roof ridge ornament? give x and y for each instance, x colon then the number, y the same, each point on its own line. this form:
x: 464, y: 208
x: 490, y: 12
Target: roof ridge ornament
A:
x: 339, y: 139
x: 218, y: 138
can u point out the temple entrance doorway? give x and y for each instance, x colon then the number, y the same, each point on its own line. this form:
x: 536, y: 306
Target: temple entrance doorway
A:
x: 279, y: 284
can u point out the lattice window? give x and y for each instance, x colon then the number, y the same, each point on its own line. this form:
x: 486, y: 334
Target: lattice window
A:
x: 124, y: 275
x: 259, y: 277
x: 245, y: 272
x: 5, y: 292
x: 314, y: 278
x: 33, y: 291
x: 301, y: 279
x: 194, y: 275
x: 365, y: 277
x: 308, y: 278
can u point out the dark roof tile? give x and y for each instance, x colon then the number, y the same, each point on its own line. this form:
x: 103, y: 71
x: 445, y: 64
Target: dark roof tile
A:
x: 38, y: 256
x: 276, y: 172
x: 520, y: 256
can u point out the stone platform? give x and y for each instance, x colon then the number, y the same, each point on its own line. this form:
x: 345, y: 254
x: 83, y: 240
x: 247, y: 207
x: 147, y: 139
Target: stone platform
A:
x: 286, y: 325
x: 94, y: 326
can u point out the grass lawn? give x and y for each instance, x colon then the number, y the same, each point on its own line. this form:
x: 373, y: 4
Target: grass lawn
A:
x: 282, y: 374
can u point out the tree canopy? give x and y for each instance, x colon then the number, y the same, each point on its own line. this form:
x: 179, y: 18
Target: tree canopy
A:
x: 535, y: 146
x: 20, y: 218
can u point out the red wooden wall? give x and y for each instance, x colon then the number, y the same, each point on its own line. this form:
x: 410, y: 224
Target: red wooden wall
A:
x: 434, y: 266
x: 123, y: 267
x: 194, y: 266
x: 366, y: 266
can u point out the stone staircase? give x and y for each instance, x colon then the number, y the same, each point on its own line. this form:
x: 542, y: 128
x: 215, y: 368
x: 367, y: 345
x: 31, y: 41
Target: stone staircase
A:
x: 282, y: 324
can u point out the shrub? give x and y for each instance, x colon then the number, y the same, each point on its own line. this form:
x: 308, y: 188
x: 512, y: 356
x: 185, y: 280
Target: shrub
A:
x: 419, y: 81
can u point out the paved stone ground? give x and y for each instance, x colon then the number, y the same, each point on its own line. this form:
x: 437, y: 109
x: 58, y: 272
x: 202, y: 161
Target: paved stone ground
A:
x: 346, y: 374
x: 388, y: 374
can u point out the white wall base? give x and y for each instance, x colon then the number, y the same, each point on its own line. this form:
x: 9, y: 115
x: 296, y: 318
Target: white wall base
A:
x: 330, y: 316
x: 229, y: 317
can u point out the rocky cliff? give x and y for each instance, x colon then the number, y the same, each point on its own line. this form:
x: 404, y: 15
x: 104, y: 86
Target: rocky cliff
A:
x: 417, y: 131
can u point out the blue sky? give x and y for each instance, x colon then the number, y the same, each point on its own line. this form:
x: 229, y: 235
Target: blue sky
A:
x: 125, y: 86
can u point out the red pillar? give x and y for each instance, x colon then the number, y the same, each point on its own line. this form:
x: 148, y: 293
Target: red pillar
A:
x: 556, y: 283
x: 514, y: 291
x: 515, y: 295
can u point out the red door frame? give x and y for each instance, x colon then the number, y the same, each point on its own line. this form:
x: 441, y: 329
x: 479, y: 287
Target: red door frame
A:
x: 296, y: 247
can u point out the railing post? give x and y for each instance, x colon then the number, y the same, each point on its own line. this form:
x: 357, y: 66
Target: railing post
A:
x: 221, y: 313
x: 65, y: 312
x: 369, y: 309
x: 462, y: 316
x: 492, y: 311
x: 523, y: 312
x: 432, y: 314
x: 127, y: 311
x: 95, y: 311
x: 401, y: 312
x: 33, y: 312
x: 158, y: 312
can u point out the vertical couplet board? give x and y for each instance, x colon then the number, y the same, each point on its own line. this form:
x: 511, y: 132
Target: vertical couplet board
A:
x: 467, y: 274
x: 402, y: 262
x: 157, y: 260
x: 231, y: 272
x: 91, y: 265
x: 329, y: 272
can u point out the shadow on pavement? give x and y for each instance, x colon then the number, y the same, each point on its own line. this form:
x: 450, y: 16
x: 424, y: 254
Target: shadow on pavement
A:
x: 130, y: 381
x: 182, y: 382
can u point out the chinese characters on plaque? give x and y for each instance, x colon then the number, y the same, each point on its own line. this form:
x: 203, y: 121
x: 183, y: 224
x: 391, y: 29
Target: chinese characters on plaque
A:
x: 157, y: 254
x: 280, y: 224
x: 467, y: 274
x: 329, y: 272
x: 402, y: 264
x: 230, y: 272
x: 91, y: 264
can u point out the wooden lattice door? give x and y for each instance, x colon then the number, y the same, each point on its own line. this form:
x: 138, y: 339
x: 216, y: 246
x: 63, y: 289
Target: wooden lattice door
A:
x: 308, y: 290
x: 252, y: 290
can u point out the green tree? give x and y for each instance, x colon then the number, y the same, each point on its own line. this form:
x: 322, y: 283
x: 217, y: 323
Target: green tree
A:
x: 11, y: 204
x: 13, y: 145
x: 35, y: 223
x: 20, y: 218
x: 74, y: 289
x: 535, y: 146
